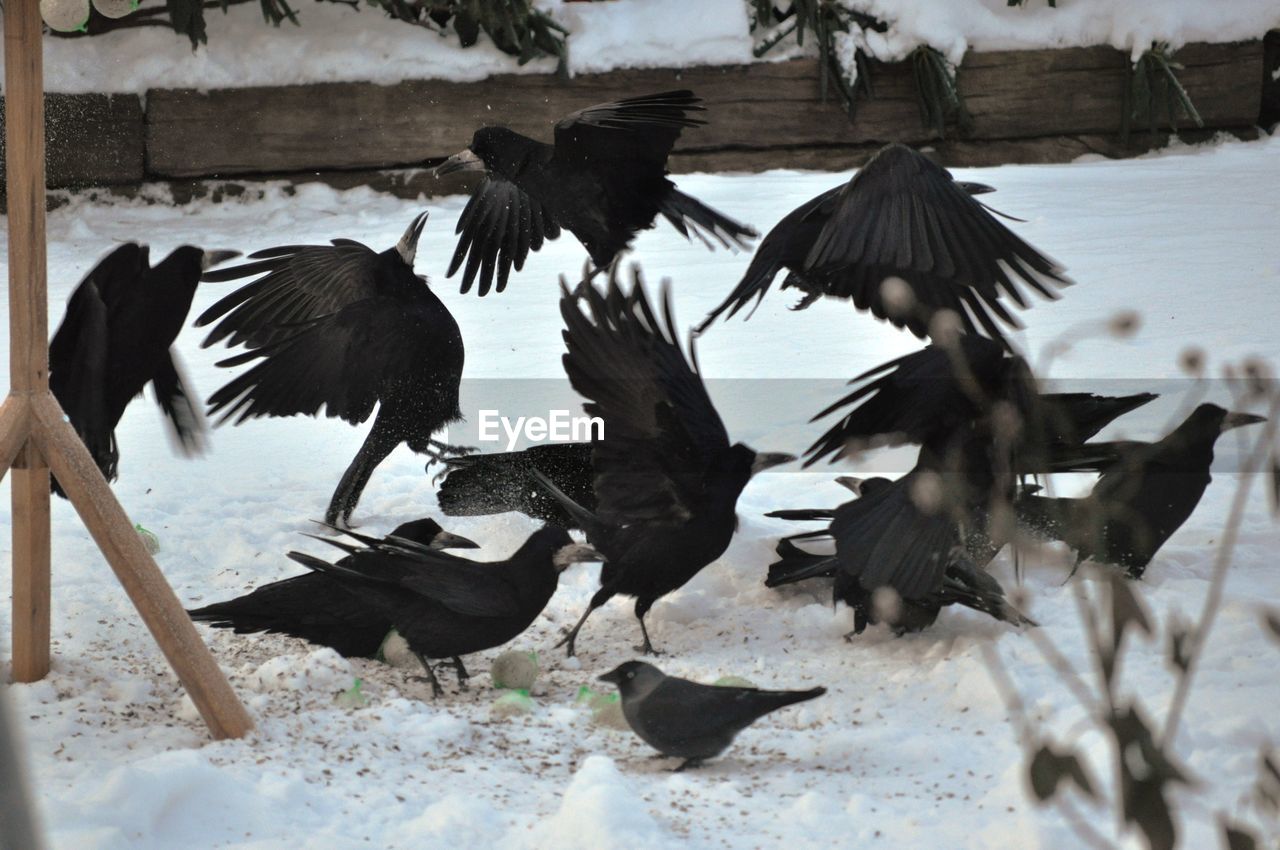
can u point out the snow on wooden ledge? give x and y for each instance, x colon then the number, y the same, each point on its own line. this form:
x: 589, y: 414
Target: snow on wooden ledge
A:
x: 1024, y: 105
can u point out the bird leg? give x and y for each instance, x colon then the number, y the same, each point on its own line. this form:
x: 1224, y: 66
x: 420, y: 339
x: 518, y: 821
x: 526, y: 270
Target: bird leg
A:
x: 572, y: 637
x: 380, y: 443
x: 436, y: 690
x: 463, y: 675
x: 647, y: 647
x: 687, y: 764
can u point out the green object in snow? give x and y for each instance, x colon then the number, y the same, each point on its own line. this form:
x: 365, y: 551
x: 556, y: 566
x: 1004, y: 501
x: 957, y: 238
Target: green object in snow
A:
x: 352, y: 697
x: 606, y: 709
x: 149, y: 539
x: 512, y: 703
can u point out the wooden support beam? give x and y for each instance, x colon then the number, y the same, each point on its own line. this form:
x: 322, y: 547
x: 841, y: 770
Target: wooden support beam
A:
x: 28, y: 326
x: 134, y: 567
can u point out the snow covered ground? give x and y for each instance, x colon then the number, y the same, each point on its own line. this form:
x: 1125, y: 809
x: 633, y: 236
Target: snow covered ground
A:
x: 911, y: 747
x: 336, y: 41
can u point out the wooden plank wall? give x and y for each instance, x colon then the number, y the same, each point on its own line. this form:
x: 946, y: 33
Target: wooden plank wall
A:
x: 1046, y: 105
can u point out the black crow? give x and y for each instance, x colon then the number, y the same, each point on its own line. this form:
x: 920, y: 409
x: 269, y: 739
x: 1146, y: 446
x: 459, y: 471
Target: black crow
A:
x: 344, y: 328
x: 603, y: 180
x: 496, y: 483
x: 1141, y: 499
x: 319, y: 608
x: 667, y: 479
x: 446, y: 607
x: 868, y: 534
x: 981, y: 424
x: 688, y: 720
x: 905, y: 241
x: 116, y: 337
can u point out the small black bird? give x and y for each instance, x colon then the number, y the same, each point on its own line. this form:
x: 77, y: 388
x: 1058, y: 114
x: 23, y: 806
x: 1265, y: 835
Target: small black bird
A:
x: 446, y: 607
x: 981, y: 423
x: 667, y: 479
x: 116, y: 337
x: 900, y: 218
x: 344, y: 328
x: 604, y: 180
x: 480, y: 485
x: 1141, y: 499
x: 319, y: 608
x: 694, y: 722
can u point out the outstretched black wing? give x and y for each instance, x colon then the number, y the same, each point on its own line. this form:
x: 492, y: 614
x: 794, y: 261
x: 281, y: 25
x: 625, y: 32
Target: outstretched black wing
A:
x: 344, y: 362
x: 903, y: 215
x: 179, y: 407
x: 301, y: 282
x: 926, y: 394
x: 498, y: 228
x: 660, y: 427
x: 638, y: 132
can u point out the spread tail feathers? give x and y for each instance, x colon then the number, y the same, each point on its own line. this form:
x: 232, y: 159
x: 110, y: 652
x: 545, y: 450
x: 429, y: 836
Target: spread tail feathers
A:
x: 693, y: 218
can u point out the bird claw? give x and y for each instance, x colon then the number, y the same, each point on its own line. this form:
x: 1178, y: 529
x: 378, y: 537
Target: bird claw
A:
x: 438, y: 452
x: 436, y: 690
x: 805, y: 302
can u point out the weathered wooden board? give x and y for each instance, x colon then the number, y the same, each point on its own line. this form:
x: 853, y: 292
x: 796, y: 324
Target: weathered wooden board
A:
x: 1011, y: 94
x: 1016, y: 94
x: 92, y: 140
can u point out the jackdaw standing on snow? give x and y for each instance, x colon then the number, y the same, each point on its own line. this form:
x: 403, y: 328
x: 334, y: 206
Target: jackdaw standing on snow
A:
x: 688, y: 720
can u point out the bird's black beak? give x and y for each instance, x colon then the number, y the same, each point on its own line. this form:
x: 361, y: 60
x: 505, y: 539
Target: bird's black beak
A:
x: 765, y: 460
x: 1235, y: 420
x: 975, y: 188
x: 463, y: 160
x: 445, y: 540
x: 612, y: 676
x: 211, y: 258
x: 574, y: 553
x: 407, y: 247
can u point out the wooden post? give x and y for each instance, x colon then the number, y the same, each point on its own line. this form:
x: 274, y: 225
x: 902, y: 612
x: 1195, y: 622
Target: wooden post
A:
x: 28, y: 326
x: 34, y: 432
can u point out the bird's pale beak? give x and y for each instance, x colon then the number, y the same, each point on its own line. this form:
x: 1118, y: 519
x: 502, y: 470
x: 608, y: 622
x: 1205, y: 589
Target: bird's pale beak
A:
x: 1235, y: 420
x: 445, y: 540
x: 463, y: 160
x: 851, y: 483
x: 575, y: 553
x: 211, y: 258
x: 975, y: 188
x: 407, y: 247
x: 765, y: 460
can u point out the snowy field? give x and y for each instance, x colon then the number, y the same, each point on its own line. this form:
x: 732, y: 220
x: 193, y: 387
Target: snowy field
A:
x: 911, y: 746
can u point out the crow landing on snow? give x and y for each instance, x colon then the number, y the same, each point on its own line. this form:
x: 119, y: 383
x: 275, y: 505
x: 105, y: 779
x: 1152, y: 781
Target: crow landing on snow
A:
x: 976, y: 413
x: 344, y: 328
x: 604, y: 179
x: 667, y: 478
x: 116, y: 337
x: 902, y: 217
x: 695, y: 722
x: 480, y: 485
x: 319, y: 608
x: 445, y: 606
x: 1141, y: 499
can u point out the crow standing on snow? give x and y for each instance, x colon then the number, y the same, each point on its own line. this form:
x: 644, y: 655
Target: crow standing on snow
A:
x: 976, y: 413
x: 603, y: 180
x: 116, y: 337
x: 694, y: 722
x: 900, y: 218
x: 1140, y: 500
x: 444, y: 606
x: 318, y: 608
x: 667, y: 479
x: 344, y: 328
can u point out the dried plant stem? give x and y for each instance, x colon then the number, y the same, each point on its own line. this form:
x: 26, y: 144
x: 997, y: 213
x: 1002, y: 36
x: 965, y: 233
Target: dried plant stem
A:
x: 1222, y: 561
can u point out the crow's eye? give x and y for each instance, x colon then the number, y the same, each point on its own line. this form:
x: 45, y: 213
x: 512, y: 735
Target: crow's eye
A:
x: 631, y: 675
